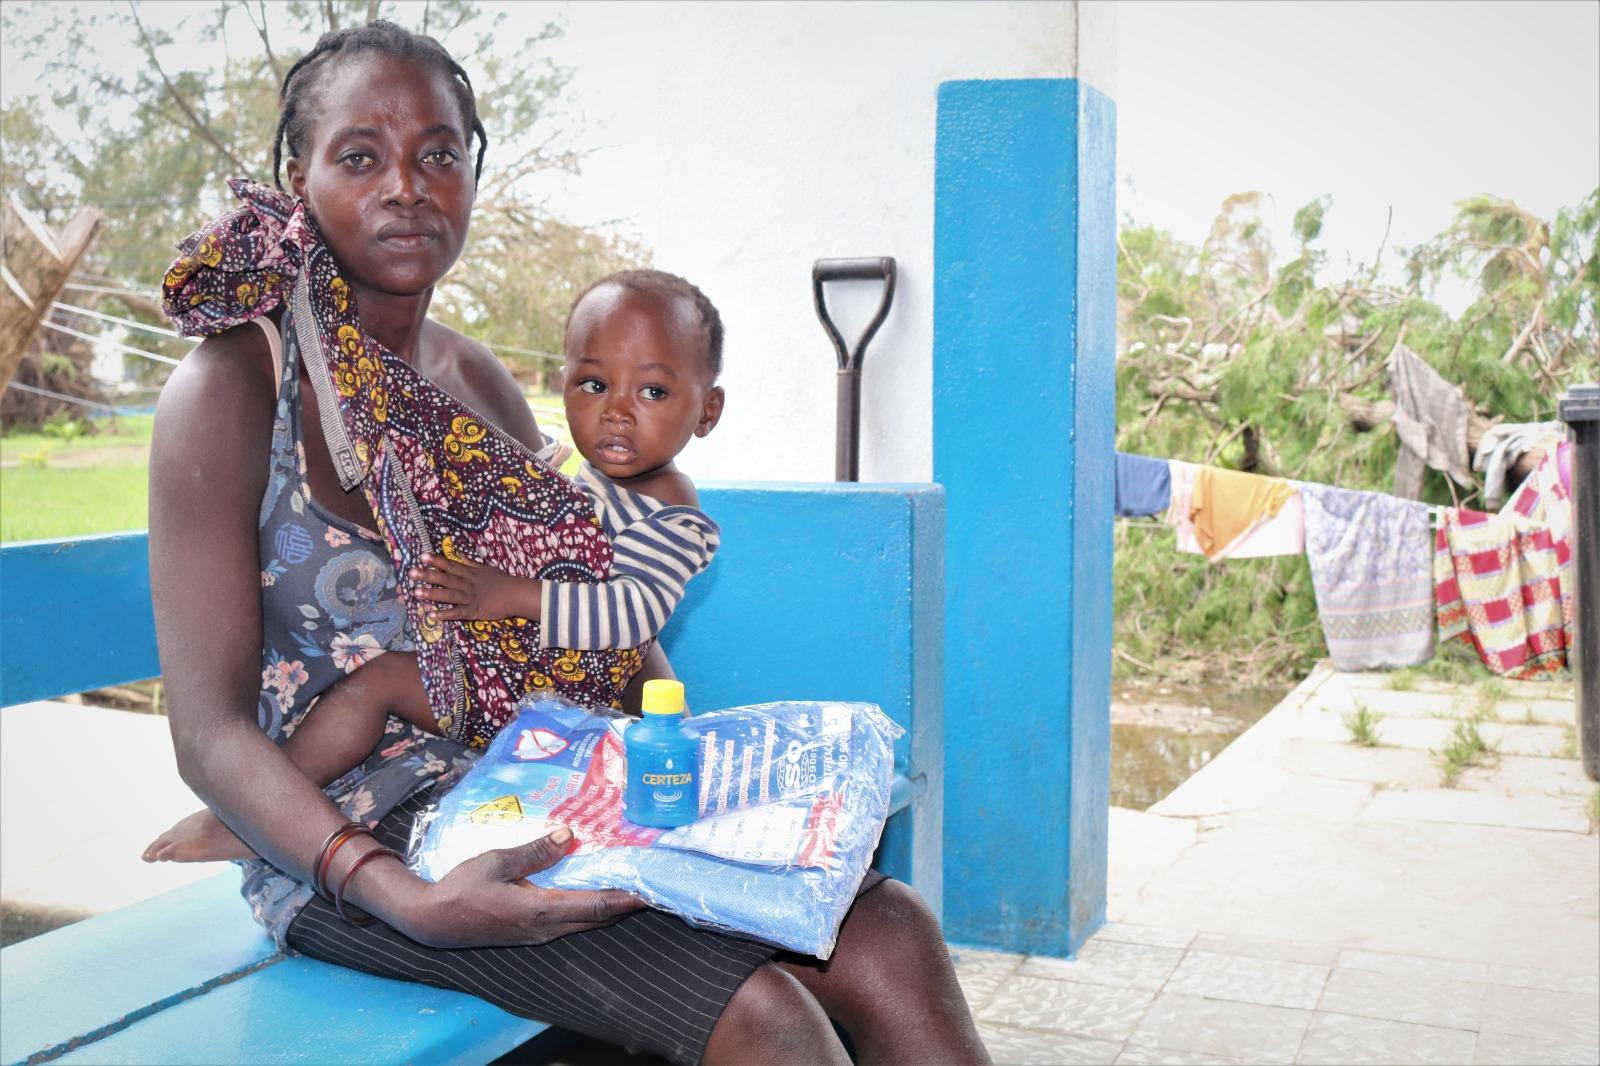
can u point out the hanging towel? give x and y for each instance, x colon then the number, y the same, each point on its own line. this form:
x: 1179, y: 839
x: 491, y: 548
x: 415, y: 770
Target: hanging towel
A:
x: 1498, y: 585
x: 1371, y: 570
x: 1181, y: 479
x: 1501, y: 446
x: 1430, y: 418
x: 1225, y: 505
x: 1144, y: 485
x: 1282, y: 534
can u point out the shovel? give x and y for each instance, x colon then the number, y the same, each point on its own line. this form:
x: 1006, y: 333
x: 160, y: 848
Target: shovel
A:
x: 847, y: 450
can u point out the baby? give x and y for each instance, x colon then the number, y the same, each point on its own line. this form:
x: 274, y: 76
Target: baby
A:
x: 643, y: 351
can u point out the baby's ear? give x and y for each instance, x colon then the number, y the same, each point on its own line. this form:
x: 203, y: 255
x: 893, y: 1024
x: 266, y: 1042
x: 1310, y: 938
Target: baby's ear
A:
x: 710, y: 411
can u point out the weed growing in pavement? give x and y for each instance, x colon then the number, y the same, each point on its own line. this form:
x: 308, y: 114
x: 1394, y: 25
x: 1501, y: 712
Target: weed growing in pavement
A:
x: 1466, y: 747
x: 1363, y: 726
x: 1487, y: 698
x: 1569, y: 742
x: 1403, y: 680
x: 1455, y: 663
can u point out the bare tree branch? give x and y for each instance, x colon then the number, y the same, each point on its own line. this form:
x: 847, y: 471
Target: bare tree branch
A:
x: 194, y: 120
x: 266, y: 42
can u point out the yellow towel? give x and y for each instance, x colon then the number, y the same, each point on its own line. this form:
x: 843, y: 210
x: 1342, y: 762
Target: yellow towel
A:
x: 1227, y: 504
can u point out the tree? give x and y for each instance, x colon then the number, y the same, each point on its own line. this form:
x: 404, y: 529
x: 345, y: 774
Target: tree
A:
x: 154, y: 149
x: 1230, y: 361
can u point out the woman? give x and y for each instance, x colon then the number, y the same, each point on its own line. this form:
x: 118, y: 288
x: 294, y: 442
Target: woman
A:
x: 249, y: 525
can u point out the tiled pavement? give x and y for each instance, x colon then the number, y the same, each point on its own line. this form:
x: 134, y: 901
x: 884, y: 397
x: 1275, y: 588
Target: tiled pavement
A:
x: 1304, y: 901
x: 1131, y: 996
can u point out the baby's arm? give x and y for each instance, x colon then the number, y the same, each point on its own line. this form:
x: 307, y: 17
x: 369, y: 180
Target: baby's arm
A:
x: 471, y: 591
x: 653, y: 560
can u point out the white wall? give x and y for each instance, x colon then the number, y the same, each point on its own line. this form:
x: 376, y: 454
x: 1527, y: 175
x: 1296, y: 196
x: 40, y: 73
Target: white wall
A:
x: 765, y: 136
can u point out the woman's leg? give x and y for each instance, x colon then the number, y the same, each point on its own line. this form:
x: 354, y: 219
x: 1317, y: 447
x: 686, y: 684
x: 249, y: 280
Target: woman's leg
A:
x: 772, y: 1018
x: 648, y: 982
x: 891, y: 985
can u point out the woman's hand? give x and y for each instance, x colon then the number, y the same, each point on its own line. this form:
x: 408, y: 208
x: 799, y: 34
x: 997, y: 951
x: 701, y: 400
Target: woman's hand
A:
x: 470, y: 592
x: 485, y: 902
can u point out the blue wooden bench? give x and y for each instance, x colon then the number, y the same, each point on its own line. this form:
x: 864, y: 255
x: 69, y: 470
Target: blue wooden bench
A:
x: 820, y: 592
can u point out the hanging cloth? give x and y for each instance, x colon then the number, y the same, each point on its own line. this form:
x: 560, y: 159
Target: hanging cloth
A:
x: 1371, y: 568
x: 438, y: 476
x: 1498, y: 585
x: 1430, y: 418
x: 1501, y: 446
x: 1181, y: 492
x: 1144, y: 485
x: 1225, y: 505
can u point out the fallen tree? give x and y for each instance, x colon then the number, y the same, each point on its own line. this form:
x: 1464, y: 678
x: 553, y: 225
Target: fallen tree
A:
x: 1230, y: 358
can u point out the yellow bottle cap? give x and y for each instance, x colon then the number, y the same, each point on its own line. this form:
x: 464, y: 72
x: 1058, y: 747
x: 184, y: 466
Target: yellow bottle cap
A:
x: 663, y: 697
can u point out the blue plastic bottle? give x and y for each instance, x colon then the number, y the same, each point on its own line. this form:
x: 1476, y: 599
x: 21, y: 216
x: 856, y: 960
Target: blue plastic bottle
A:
x: 663, y: 759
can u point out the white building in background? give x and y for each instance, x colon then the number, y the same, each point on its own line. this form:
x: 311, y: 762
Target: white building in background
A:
x: 745, y: 141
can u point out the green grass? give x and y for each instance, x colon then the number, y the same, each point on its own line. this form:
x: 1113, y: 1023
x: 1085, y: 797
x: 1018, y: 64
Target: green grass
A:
x: 38, y: 503
x: 1456, y: 663
x: 45, y: 493
x: 1466, y: 747
x: 43, y: 496
x: 1363, y: 726
x: 1594, y: 811
x: 126, y: 431
x: 1403, y: 680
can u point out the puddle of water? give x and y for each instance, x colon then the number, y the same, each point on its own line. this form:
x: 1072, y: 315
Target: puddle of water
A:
x: 1161, y: 736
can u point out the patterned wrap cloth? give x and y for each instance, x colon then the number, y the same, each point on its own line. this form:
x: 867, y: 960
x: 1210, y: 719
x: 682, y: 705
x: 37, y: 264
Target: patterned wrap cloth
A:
x: 1503, y: 582
x: 1371, y: 568
x: 438, y: 476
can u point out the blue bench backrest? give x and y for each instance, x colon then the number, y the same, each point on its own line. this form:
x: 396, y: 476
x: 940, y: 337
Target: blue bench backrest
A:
x: 820, y: 591
x: 74, y: 615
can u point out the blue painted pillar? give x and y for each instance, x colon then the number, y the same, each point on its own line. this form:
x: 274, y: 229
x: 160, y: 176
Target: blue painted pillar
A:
x: 1023, y: 427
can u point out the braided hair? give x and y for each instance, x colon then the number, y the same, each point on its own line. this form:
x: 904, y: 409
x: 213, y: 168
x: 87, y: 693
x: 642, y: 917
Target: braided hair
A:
x: 384, y: 38
x: 663, y: 285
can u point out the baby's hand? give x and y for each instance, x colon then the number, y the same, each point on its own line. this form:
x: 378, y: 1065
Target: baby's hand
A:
x: 469, y: 592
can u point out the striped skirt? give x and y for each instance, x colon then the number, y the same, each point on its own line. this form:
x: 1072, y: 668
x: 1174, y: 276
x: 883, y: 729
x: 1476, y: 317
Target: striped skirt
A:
x: 650, y: 982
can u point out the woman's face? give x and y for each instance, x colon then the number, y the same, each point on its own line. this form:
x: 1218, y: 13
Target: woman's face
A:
x: 386, y: 172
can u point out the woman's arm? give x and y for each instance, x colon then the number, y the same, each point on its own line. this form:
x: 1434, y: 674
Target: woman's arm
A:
x: 208, y: 468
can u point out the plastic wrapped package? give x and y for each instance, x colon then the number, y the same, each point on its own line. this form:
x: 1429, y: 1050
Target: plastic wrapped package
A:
x: 793, y: 798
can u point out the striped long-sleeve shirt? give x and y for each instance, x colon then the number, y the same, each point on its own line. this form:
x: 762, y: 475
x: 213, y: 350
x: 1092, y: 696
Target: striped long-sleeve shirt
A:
x: 657, y: 549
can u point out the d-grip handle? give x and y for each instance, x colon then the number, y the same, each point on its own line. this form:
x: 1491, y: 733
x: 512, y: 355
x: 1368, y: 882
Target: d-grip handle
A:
x: 880, y: 268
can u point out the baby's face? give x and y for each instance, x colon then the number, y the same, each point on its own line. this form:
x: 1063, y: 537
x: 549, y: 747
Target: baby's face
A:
x: 637, y: 384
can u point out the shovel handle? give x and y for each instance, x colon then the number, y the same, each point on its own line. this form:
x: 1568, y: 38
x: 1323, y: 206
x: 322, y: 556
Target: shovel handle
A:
x: 880, y: 268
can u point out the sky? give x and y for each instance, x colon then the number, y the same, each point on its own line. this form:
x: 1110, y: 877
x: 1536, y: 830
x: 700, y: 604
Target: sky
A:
x: 1409, y: 106
x: 1402, y: 106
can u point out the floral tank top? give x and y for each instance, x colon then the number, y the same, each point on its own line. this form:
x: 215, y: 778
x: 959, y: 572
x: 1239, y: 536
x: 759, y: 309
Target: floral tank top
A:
x: 329, y: 603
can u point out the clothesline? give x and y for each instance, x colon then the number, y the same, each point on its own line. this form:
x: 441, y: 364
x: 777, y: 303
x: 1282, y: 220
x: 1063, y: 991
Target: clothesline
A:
x: 80, y: 401
x: 1391, y: 575
x: 90, y: 337
x: 126, y: 323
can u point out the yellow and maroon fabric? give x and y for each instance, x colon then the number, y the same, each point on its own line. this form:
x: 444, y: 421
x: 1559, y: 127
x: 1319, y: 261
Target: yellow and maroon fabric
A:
x: 1503, y: 582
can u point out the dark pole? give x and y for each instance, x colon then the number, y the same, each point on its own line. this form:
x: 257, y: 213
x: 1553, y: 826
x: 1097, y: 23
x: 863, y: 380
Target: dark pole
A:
x: 1580, y: 410
x: 847, y: 445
